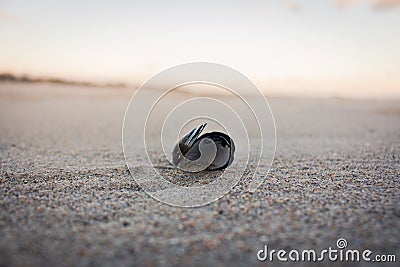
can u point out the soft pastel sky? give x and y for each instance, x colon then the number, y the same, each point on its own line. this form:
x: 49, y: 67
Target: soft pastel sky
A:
x: 322, y: 47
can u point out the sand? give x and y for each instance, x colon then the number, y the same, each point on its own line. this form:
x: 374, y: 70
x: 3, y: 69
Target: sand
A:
x: 69, y: 200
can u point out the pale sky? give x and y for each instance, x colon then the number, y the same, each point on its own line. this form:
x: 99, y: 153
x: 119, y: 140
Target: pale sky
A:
x: 315, y: 47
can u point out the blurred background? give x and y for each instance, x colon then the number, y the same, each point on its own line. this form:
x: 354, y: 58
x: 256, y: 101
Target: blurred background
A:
x: 330, y: 48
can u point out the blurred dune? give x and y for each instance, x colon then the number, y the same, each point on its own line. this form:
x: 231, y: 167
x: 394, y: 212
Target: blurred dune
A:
x: 8, y: 77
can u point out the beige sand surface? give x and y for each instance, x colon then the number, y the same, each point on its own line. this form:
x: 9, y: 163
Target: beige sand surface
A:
x: 67, y: 198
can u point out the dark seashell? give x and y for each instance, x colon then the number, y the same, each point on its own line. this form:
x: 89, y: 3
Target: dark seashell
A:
x: 210, y: 151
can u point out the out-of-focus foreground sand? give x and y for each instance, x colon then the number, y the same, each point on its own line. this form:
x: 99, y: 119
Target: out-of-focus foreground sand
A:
x: 67, y: 198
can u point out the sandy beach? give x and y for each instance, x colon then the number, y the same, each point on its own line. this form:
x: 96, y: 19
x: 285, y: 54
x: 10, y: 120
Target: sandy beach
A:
x: 68, y: 199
